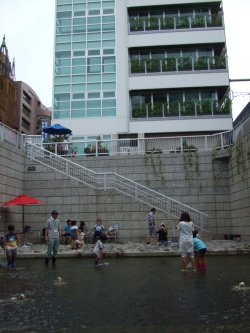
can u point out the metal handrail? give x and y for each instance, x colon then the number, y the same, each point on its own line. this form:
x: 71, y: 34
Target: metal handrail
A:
x: 113, y: 181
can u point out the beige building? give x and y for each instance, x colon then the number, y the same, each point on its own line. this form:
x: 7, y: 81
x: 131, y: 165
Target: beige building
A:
x: 30, y: 110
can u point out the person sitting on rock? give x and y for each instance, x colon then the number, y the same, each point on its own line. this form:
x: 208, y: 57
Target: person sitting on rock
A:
x: 98, y: 229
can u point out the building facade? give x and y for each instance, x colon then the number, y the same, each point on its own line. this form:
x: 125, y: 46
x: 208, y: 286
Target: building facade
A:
x: 7, y: 88
x: 31, y: 113
x: 141, y: 68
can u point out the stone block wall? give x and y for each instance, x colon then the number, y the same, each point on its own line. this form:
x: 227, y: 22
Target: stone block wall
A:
x: 11, y: 185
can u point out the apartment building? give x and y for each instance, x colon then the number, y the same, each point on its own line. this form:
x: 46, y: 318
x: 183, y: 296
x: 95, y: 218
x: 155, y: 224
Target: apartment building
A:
x: 141, y: 68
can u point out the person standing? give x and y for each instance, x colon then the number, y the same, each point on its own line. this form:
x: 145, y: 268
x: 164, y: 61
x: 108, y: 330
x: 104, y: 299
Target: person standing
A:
x: 52, y: 236
x: 151, y: 224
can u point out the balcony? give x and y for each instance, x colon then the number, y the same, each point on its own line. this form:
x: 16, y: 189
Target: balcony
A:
x: 176, y: 109
x: 163, y: 66
x: 145, y: 25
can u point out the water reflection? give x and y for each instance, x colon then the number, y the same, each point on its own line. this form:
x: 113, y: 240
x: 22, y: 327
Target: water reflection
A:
x: 129, y: 295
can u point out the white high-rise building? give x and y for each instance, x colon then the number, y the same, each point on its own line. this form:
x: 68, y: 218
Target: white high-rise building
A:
x: 141, y: 68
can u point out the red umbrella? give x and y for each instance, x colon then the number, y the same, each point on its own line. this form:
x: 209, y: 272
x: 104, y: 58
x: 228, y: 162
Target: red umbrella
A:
x: 22, y: 199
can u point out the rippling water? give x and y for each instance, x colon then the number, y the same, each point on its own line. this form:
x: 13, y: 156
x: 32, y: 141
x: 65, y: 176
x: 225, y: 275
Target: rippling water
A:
x: 127, y: 296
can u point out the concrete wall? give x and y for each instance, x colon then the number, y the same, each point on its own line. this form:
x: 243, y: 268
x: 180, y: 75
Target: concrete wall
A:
x: 11, y: 184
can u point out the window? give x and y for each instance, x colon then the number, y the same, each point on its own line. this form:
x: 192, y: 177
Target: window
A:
x: 78, y: 96
x: 26, y: 97
x: 25, y: 124
x: 26, y: 111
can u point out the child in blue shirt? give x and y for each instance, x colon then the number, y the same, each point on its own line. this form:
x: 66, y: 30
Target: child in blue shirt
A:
x: 200, y: 250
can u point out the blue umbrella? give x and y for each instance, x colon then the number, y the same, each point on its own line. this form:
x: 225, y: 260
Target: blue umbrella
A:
x: 57, y: 129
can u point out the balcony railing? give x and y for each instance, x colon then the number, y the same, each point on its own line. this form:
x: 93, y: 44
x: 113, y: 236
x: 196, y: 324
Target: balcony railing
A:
x: 168, y: 65
x: 174, y: 23
x: 181, y: 109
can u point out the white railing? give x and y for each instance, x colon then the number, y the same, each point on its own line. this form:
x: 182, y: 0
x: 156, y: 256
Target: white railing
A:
x: 112, y: 181
x: 11, y: 137
x: 81, y: 148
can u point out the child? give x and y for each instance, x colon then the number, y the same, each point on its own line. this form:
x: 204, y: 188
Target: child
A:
x: 98, y: 229
x: 200, y: 250
x: 98, y: 249
x: 80, y: 238
x: 10, y: 245
x: 186, y: 245
x: 162, y: 232
x: 73, y: 234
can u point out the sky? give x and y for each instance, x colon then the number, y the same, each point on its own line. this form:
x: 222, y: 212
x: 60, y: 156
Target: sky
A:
x: 28, y: 26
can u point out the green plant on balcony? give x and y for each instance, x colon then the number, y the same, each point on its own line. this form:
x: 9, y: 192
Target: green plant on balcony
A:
x: 152, y: 23
x: 185, y: 63
x: 214, y: 20
x: 218, y: 62
x: 198, y: 21
x: 137, y: 66
x: 169, y: 64
x: 101, y: 150
x: 139, y: 110
x: 222, y: 107
x: 155, y: 109
x: 167, y: 22
x: 136, y: 24
x: 205, y: 107
x: 182, y: 22
x: 153, y: 65
x: 173, y: 109
x: 186, y: 146
x: 201, y: 63
x: 187, y: 108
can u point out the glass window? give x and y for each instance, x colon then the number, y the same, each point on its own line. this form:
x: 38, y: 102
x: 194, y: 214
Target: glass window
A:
x: 94, y: 113
x: 93, y: 95
x: 26, y: 111
x: 78, y: 105
x: 135, y: 99
x: 78, y: 87
x: 144, y: 55
x: 108, y: 94
x: 189, y: 53
x: 94, y: 45
x: 94, y: 12
x: 62, y: 23
x: 107, y: 103
x: 79, y: 21
x: 79, y: 45
x: 108, y: 77
x: 108, y: 27
x: 62, y: 79
x: 65, y: 38
x: 63, y: 30
x: 78, y: 53
x: 61, y: 2
x: 210, y: 94
x: 134, y: 55
x: 108, y: 60
x: 80, y: 28
x: 186, y: 12
x: 79, y: 62
x: 61, y: 114
x: 62, y: 62
x: 79, y: 13
x: 94, y: 69
x: 78, y: 114
x: 78, y: 78
x: 156, y: 13
x: 26, y: 97
x: 111, y: 112
x: 93, y: 86
x: 94, y: 36
x: 108, y: 19
x: 62, y: 15
x: 171, y: 12
x: 108, y: 43
x: 143, y: 14
x: 61, y: 97
x: 108, y: 68
x: 94, y: 104
x: 160, y: 97
x: 94, y: 5
x: 109, y: 51
x: 108, y: 11
x: 175, y: 96
x: 205, y: 52
x: 63, y: 46
x: 79, y: 70
x: 191, y: 96
x: 95, y: 27
x: 158, y: 54
x: 64, y: 8
x: 108, y: 4
x: 108, y: 35
x: 145, y: 98
x: 64, y: 88
x: 62, y: 71
x: 93, y: 52
x: 94, y: 78
x: 79, y: 6
x: 94, y: 61
x: 94, y: 20
x: 62, y: 106
x: 78, y: 96
x: 173, y: 54
x: 201, y: 11
x: 109, y: 86
x: 79, y: 37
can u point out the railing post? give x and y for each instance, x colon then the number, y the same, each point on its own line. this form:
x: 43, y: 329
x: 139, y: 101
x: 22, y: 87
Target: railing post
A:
x: 181, y: 144
x: 159, y: 21
x: 205, y: 21
x: 67, y: 168
x: 161, y: 66
x: 105, y: 182
x: 96, y: 148
x: 147, y: 111
x: 138, y: 146
x: 136, y: 192
x: 177, y: 67
x: 221, y: 140
x: 208, y: 63
x: 174, y: 23
x: 206, y: 143
x: 144, y: 25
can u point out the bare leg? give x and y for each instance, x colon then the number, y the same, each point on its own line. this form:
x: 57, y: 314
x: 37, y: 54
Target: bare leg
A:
x: 148, y: 238
x: 193, y: 264
x: 184, y: 263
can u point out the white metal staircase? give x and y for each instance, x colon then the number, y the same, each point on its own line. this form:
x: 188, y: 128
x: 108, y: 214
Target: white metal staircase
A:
x: 112, y: 181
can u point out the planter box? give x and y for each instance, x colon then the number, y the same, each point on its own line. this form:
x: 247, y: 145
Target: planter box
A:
x: 153, y: 151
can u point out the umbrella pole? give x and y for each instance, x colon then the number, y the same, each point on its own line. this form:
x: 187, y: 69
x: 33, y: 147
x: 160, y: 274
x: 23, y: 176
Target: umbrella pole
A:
x: 23, y: 226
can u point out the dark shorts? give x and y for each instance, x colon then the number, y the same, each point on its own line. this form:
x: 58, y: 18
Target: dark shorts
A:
x: 202, y: 251
x: 67, y: 234
x: 73, y: 237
